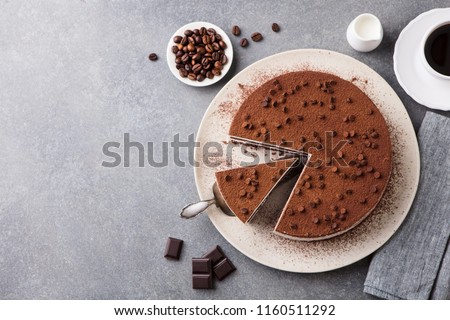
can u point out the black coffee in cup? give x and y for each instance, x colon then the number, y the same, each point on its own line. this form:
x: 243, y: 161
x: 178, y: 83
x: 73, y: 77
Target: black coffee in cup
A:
x: 437, y: 50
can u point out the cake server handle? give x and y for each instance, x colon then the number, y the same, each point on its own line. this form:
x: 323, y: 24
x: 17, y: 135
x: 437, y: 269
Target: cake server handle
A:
x: 194, y: 209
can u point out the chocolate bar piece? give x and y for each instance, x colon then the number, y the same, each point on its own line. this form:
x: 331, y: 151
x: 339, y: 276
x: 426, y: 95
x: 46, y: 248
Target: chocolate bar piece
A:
x: 202, y: 273
x: 216, y: 254
x: 201, y: 265
x: 173, y: 248
x: 202, y: 281
x: 221, y: 264
x: 223, y: 269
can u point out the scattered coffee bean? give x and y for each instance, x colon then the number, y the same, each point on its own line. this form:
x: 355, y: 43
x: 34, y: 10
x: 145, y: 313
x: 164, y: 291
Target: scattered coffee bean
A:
x: 244, y: 42
x: 275, y: 27
x: 153, y: 57
x: 236, y: 30
x: 256, y: 36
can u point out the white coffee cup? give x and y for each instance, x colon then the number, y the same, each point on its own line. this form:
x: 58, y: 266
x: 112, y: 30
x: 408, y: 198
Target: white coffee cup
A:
x: 425, y: 63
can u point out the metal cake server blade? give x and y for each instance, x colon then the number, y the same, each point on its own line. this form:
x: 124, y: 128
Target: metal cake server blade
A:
x: 194, y: 209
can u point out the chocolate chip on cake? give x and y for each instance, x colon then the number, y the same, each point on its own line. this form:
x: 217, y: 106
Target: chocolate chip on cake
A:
x: 244, y: 210
x: 374, y: 189
x: 377, y: 175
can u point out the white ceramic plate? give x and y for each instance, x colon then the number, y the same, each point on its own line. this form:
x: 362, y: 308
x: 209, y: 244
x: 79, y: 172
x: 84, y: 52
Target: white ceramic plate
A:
x: 420, y: 85
x: 256, y: 240
x: 170, y: 57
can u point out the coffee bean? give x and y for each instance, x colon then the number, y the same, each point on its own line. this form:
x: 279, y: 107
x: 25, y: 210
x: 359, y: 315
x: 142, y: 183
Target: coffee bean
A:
x: 236, y: 30
x: 191, y: 47
x: 188, y: 33
x: 244, y: 42
x: 192, y: 76
x: 215, y: 46
x: 202, y: 31
x: 206, y: 39
x: 223, y: 59
x: 275, y: 27
x: 215, y: 56
x: 211, y: 31
x: 153, y: 57
x: 184, y: 41
x: 177, y: 39
x: 222, y: 44
x: 200, y: 77
x: 256, y: 36
x: 183, y: 72
x: 196, y: 56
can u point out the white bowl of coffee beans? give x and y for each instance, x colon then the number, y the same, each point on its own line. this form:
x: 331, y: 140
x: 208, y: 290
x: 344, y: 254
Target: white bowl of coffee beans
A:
x: 199, y: 54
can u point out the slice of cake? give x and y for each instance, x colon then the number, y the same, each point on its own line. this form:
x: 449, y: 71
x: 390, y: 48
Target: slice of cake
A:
x: 244, y: 189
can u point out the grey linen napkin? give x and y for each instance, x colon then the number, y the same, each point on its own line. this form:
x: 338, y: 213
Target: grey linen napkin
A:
x: 415, y: 262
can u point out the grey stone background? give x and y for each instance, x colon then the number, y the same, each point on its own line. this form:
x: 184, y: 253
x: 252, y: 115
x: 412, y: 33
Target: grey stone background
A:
x: 74, y: 75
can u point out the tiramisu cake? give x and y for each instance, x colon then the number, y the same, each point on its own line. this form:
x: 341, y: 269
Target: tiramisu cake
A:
x: 347, y: 142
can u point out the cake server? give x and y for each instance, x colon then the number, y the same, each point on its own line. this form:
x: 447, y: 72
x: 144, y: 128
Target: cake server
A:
x: 194, y: 209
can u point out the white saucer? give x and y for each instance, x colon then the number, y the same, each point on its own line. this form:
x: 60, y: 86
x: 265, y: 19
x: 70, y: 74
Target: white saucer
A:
x: 171, y: 57
x: 423, y: 87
